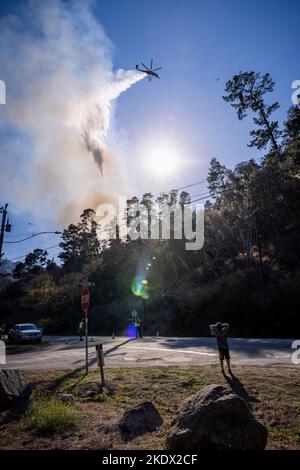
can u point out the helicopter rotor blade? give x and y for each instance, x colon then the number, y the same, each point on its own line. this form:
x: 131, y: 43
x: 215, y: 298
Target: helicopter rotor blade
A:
x: 145, y: 66
x: 151, y: 64
x: 154, y: 70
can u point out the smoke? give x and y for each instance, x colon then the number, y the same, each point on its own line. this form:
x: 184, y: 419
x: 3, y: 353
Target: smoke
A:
x: 96, y: 122
x: 56, y: 61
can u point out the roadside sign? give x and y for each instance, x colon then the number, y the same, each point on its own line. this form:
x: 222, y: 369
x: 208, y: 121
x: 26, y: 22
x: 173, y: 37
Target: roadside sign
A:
x: 85, y: 299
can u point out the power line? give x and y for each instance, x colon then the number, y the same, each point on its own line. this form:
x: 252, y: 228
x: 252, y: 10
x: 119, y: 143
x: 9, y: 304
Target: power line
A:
x: 23, y: 234
x: 41, y: 243
x: 200, y: 194
x: 239, y: 186
x: 33, y: 235
x: 213, y: 194
x: 190, y: 185
x: 181, y: 187
x: 24, y: 256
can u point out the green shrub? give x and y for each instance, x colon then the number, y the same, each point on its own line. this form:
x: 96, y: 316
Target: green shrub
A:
x: 49, y: 414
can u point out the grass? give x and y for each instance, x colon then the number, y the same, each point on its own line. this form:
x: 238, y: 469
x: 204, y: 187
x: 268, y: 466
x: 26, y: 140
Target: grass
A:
x: 49, y: 415
x: 273, y: 394
x: 296, y: 435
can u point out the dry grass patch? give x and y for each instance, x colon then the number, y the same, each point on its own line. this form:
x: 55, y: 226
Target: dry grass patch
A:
x: 48, y: 414
x: 273, y: 393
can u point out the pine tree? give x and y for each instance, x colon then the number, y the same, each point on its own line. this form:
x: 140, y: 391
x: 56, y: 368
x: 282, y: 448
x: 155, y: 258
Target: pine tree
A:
x: 246, y: 92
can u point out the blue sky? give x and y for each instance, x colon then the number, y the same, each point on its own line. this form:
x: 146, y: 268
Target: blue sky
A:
x: 196, y: 42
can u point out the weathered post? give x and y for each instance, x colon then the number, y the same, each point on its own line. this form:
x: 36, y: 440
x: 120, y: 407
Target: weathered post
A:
x: 100, y: 363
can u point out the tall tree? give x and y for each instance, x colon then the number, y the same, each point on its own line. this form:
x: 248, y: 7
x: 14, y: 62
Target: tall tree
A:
x: 36, y: 260
x: 217, y: 176
x: 246, y: 91
x: 80, y: 243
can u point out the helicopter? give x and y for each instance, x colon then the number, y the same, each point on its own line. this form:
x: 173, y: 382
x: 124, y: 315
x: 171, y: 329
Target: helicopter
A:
x: 149, y: 71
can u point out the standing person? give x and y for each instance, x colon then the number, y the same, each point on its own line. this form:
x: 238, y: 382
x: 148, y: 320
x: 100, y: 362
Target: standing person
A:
x: 134, y: 315
x: 220, y: 330
x: 137, y: 324
x: 81, y: 329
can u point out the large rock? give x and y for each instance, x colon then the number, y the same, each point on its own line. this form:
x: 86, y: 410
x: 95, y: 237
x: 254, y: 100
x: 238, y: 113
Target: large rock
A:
x: 13, y: 387
x: 141, y: 419
x: 215, y: 418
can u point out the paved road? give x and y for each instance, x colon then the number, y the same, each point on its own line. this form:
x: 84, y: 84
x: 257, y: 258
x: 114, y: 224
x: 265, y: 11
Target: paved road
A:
x: 63, y: 352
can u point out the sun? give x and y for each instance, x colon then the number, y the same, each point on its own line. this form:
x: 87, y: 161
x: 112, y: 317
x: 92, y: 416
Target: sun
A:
x: 162, y: 160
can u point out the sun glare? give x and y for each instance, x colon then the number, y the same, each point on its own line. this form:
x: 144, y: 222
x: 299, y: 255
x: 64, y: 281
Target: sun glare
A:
x: 163, y: 160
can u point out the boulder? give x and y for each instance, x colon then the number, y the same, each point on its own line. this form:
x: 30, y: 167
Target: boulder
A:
x: 13, y: 387
x: 216, y: 418
x: 141, y: 419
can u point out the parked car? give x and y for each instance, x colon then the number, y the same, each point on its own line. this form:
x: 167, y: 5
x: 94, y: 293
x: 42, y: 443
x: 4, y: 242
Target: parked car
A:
x: 25, y: 332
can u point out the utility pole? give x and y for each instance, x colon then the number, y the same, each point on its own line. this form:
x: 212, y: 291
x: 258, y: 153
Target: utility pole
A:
x: 5, y: 227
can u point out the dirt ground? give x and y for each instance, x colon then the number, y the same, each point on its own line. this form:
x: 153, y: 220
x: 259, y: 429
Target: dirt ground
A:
x: 273, y: 393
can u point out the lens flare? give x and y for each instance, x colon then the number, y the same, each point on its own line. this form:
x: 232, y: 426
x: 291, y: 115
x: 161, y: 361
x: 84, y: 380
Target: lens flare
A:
x: 139, y: 287
x: 130, y: 331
